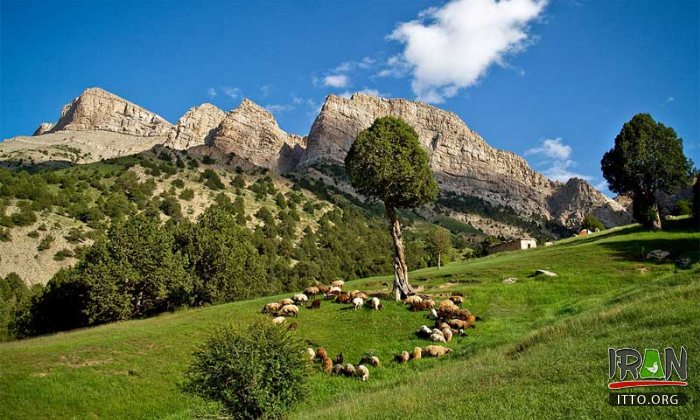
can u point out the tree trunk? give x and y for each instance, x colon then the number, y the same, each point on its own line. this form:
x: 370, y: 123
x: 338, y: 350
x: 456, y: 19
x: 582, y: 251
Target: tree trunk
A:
x: 438, y: 260
x: 656, y: 220
x: 401, y: 286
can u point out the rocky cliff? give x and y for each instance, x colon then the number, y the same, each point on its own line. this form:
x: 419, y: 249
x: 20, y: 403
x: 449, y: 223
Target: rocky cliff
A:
x: 99, y: 110
x: 193, y: 128
x: 252, y: 133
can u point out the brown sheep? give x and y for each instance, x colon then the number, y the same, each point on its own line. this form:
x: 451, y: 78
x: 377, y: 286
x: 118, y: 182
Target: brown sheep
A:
x: 458, y: 323
x: 289, y: 310
x: 271, y: 308
x: 369, y: 360
x: 447, y: 333
x: 436, y: 351
x: 417, y: 353
x: 349, y: 370
x: 311, y: 291
x: 322, y: 288
x: 447, y: 305
x: 321, y: 353
x: 327, y: 364
x: 471, y: 318
x: 429, y: 303
x: 412, y: 299
x: 292, y: 327
x: 286, y: 301
x: 418, y: 306
x: 316, y: 304
x: 354, y: 293
x: 402, y: 358
x: 343, y: 298
x: 458, y: 300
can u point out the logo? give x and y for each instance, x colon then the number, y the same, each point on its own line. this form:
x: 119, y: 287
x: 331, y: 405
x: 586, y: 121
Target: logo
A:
x: 647, y: 370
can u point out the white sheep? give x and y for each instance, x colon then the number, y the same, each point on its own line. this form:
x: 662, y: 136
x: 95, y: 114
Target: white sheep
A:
x: 310, y: 353
x: 413, y: 299
x: 338, y: 283
x: 271, y: 308
x: 374, y: 303
x: 357, y: 303
x: 286, y: 301
x: 362, y: 372
x: 289, y: 310
x: 300, y: 298
x: 438, y: 338
x: 424, y: 331
x: 279, y: 320
x: 334, y: 290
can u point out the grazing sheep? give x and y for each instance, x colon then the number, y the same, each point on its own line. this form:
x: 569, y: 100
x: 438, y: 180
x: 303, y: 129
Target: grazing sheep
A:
x: 374, y: 303
x: 433, y: 314
x: 436, y: 351
x: 279, y: 320
x: 289, y: 310
x: 286, y: 301
x: 292, y: 327
x: 402, y: 358
x: 417, y: 353
x: 271, y: 308
x: 447, y: 333
x: 430, y: 304
x: 322, y: 288
x: 327, y: 364
x: 368, y: 359
x: 442, y: 325
x: 460, y: 294
x: 447, y: 305
x: 321, y: 353
x: 338, y: 283
x: 343, y: 298
x: 457, y: 300
x: 310, y: 353
x: 339, y: 359
x: 311, y: 291
x: 381, y: 295
x: 334, y: 290
x: 337, y: 369
x: 471, y: 318
x: 349, y: 370
x: 300, y: 298
x: 357, y: 303
x: 417, y: 307
x: 315, y: 304
x: 438, y: 338
x: 354, y: 293
x: 458, y: 323
x: 374, y: 361
x: 424, y: 331
x: 362, y: 372
x: 412, y: 299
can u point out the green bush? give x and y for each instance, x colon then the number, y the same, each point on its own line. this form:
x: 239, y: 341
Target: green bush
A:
x: 45, y: 243
x: 212, y: 180
x: 187, y: 194
x: 257, y: 373
x: 63, y: 254
x: 592, y: 223
x: 683, y: 207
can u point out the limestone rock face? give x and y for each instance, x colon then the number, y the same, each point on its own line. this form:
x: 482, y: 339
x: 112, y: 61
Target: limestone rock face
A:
x: 43, y: 128
x: 577, y: 198
x: 98, y: 110
x: 251, y: 132
x: 193, y: 128
x: 461, y: 160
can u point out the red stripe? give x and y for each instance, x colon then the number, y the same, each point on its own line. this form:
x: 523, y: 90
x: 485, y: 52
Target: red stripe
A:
x: 632, y: 384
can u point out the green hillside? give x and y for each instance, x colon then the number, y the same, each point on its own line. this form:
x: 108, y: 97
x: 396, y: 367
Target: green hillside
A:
x: 540, y: 349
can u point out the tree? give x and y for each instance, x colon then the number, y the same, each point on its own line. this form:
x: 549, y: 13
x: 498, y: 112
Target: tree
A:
x: 439, y: 243
x: 696, y: 201
x: 647, y: 158
x: 387, y: 162
x: 592, y: 223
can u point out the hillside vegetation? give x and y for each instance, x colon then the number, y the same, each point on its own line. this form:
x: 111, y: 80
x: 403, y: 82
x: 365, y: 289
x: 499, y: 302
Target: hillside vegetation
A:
x: 540, y: 349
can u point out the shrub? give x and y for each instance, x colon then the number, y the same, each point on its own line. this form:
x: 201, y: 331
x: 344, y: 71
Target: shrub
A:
x: 187, y: 194
x: 45, y: 243
x: 212, y: 180
x: 683, y: 207
x: 178, y: 183
x: 208, y: 160
x: 63, y: 254
x: 591, y: 222
x: 259, y: 372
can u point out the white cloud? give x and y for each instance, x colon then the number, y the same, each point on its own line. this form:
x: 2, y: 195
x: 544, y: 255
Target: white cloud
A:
x: 551, y: 148
x: 556, y: 156
x: 336, y: 81
x: 211, y: 92
x: 452, y: 47
x: 231, y: 92
x: 278, y: 108
x: 265, y: 90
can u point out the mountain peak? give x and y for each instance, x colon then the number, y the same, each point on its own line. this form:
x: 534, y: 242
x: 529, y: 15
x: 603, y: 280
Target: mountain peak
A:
x: 195, y: 126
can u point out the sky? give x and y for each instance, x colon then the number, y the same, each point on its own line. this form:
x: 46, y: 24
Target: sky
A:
x: 553, y: 81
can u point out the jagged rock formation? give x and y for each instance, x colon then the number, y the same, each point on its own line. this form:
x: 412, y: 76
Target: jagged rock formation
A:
x: 462, y: 161
x: 251, y: 132
x: 193, y: 128
x: 97, y: 109
x: 43, y: 128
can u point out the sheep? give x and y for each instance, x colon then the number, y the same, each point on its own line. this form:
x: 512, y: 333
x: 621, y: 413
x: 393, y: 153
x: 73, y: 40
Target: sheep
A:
x: 417, y: 307
x: 471, y: 318
x: 343, y: 298
x: 310, y: 353
x: 362, y: 372
x: 402, y: 358
x: 417, y: 353
x: 412, y: 299
x: 315, y: 304
x: 300, y: 298
x: 447, y: 333
x: 271, y: 308
x: 362, y: 296
x: 457, y: 300
x: 424, y: 331
x: 349, y: 370
x: 436, y: 351
x: 311, y: 291
x: 321, y: 353
x: 354, y: 293
x: 374, y: 303
x: 438, y: 338
x: 458, y: 323
x: 430, y: 304
x: 292, y: 327
x: 339, y: 359
x: 279, y: 320
x: 368, y: 359
x: 357, y: 303
x: 338, y: 283
x: 433, y: 314
x: 447, y: 305
x: 289, y: 310
x: 322, y: 288
x: 327, y: 364
x: 374, y: 361
x: 334, y: 290
x: 337, y: 369
x: 286, y: 301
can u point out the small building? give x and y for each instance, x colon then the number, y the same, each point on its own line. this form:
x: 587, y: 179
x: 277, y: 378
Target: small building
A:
x: 514, y: 245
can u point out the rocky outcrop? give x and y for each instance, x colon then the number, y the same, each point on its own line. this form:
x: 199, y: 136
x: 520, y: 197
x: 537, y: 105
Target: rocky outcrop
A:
x: 252, y: 133
x: 577, y: 198
x: 461, y: 160
x: 193, y: 128
x: 43, y: 128
x: 99, y: 110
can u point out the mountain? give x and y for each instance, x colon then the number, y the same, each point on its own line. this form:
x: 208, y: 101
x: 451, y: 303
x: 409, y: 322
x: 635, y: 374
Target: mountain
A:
x: 195, y: 126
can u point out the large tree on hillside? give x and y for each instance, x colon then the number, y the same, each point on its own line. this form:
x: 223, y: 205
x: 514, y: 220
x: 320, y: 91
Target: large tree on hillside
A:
x: 439, y: 243
x: 387, y: 162
x: 647, y: 158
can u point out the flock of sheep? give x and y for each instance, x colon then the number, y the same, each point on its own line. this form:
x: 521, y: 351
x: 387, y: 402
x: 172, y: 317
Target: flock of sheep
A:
x: 450, y: 320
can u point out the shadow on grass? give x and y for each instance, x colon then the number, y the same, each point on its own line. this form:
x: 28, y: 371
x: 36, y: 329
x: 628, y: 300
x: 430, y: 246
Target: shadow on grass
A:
x: 637, y: 249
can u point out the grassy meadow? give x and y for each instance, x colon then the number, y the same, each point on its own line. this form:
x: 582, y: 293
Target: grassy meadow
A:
x: 539, y: 351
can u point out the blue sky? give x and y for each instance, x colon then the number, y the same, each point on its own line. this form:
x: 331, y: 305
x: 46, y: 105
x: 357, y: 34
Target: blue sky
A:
x: 553, y: 81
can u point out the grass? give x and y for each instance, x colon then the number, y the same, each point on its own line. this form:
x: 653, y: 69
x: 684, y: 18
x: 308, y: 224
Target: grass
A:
x: 540, y: 351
